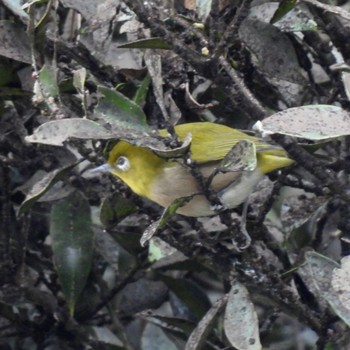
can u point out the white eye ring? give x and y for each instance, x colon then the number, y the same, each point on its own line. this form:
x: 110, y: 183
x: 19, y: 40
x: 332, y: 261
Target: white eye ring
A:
x: 122, y: 163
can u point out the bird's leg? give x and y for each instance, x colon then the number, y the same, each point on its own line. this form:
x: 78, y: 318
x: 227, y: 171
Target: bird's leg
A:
x: 243, y: 229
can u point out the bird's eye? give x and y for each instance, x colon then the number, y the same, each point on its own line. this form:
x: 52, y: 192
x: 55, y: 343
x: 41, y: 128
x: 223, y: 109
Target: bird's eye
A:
x: 122, y: 163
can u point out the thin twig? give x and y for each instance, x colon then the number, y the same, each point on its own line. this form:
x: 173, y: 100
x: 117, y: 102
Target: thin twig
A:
x: 251, y: 104
x: 232, y: 29
x: 332, y: 9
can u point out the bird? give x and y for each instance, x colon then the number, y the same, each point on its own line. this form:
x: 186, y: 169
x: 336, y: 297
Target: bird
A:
x: 163, y: 181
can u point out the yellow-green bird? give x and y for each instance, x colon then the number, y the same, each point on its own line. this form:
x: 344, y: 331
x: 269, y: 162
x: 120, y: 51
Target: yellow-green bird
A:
x: 163, y: 181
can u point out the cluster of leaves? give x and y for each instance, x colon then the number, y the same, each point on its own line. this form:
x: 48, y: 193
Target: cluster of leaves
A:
x: 77, y: 75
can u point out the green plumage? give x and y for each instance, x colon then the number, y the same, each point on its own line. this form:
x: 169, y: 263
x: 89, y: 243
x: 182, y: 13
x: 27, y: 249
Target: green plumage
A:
x: 164, y: 181
x: 211, y: 142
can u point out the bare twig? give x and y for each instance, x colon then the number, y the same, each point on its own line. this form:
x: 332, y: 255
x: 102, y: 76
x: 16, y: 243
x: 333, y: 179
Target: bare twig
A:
x: 252, y: 106
x: 207, y: 67
x: 333, y: 9
x: 232, y: 29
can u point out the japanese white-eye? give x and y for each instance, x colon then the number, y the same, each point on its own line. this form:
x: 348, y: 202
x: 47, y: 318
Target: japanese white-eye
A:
x: 163, y: 181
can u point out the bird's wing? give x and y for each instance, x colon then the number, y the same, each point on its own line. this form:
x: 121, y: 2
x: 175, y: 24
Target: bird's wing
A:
x: 212, y: 142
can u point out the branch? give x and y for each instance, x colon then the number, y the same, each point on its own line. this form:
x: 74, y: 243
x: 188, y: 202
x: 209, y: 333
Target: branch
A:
x: 332, y: 9
x: 207, y: 67
x: 256, y: 276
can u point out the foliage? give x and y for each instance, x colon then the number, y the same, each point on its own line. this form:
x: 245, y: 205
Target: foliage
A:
x: 88, y: 264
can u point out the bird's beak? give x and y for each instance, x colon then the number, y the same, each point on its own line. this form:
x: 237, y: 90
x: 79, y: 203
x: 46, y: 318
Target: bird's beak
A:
x: 102, y: 169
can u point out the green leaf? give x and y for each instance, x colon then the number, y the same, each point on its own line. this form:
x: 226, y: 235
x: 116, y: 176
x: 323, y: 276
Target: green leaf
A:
x: 72, y: 245
x: 241, y: 322
x: 56, y: 132
x: 115, y: 208
x: 48, y: 81
x: 198, y: 337
x: 142, y: 91
x: 191, y: 295
x: 329, y: 346
x: 152, y: 43
x: 79, y: 79
x: 242, y: 157
x: 120, y: 112
x: 6, y: 75
x: 314, y: 122
x: 321, y: 270
x: 42, y: 186
x: 168, y: 213
x: 284, y: 7
x: 159, y: 249
x: 129, y: 241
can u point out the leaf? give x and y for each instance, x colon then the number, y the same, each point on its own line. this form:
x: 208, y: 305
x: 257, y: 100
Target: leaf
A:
x: 337, y: 10
x: 176, y: 152
x: 142, y: 91
x: 293, y: 20
x: 129, y: 242
x: 163, y: 255
x: 6, y: 76
x: 79, y: 79
x: 152, y: 43
x: 72, y: 245
x: 154, y: 66
x: 273, y: 51
x: 284, y: 7
x: 133, y: 299
x: 241, y: 322
x: 15, y: 6
x: 153, y: 337
x: 241, y: 157
x: 297, y: 21
x: 107, y: 248
x: 189, y: 293
x: 14, y: 42
x: 102, y: 335
x: 329, y: 346
x: 345, y: 76
x: 341, y: 281
x: 120, y: 112
x: 48, y: 81
x: 204, y: 326
x: 321, y: 270
x: 42, y: 186
x: 115, y: 208
x: 56, y: 132
x: 168, y: 213
x: 314, y: 122
x: 159, y: 249
x: 88, y: 9
x: 297, y: 208
x: 203, y: 8
x: 150, y: 231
